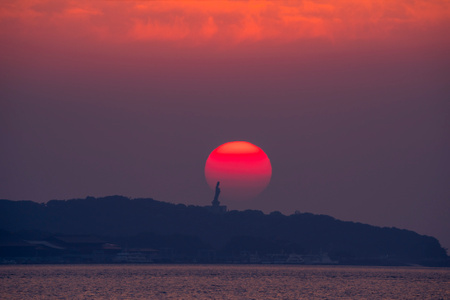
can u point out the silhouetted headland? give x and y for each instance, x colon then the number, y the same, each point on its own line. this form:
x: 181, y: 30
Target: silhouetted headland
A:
x: 119, y: 229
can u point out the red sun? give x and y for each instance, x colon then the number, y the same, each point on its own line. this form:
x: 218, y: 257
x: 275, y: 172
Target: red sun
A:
x: 243, y: 169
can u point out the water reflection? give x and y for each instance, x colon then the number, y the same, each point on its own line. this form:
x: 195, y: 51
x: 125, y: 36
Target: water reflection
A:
x: 221, y: 282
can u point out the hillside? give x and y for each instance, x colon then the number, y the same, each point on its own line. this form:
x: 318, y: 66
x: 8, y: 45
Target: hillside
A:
x: 151, y: 223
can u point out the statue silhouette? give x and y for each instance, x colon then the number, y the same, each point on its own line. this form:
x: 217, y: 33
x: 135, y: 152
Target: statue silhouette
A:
x: 216, y: 201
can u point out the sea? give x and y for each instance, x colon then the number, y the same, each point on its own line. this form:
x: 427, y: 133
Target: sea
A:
x: 221, y: 282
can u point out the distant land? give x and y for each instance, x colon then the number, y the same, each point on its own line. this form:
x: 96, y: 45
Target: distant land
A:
x: 119, y: 229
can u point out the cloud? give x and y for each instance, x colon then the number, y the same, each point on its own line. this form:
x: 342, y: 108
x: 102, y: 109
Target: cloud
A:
x: 226, y: 21
x: 150, y: 30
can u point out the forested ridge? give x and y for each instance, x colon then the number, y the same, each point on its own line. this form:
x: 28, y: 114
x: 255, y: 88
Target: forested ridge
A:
x: 151, y: 223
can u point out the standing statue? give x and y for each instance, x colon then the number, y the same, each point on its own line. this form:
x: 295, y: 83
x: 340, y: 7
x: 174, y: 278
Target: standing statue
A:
x: 216, y: 202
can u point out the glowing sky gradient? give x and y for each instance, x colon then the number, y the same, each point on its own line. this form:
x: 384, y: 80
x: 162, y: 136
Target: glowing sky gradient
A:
x: 197, y: 22
x: 349, y: 99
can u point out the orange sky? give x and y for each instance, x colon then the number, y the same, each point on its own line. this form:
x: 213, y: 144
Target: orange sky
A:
x: 228, y: 22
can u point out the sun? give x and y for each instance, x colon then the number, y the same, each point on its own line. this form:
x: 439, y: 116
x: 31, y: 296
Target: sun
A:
x: 243, y: 169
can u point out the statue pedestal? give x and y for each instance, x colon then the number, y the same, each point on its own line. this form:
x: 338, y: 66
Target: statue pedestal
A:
x: 218, y: 209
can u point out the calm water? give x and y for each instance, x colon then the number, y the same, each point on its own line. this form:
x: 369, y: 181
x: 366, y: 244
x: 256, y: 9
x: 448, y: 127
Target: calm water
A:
x: 221, y: 282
